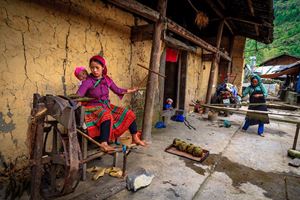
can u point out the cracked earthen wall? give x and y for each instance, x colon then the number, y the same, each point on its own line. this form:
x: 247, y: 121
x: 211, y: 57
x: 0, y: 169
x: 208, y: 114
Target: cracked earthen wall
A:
x: 198, y: 72
x: 194, y: 80
x: 42, y: 41
x: 238, y: 61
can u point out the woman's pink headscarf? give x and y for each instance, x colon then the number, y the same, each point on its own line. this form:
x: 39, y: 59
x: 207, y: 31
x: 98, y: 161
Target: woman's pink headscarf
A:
x: 78, y: 70
x: 102, y: 61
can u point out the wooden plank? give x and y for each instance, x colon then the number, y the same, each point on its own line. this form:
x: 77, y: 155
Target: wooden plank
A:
x: 177, y: 44
x: 137, y: 8
x: 103, y: 188
x: 171, y: 149
x: 154, y: 67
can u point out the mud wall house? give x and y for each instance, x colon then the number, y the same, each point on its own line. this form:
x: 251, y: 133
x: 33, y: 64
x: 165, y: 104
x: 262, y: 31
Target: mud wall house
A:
x: 42, y: 42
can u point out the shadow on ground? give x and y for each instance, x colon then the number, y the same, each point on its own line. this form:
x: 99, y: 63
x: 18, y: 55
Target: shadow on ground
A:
x: 277, y: 185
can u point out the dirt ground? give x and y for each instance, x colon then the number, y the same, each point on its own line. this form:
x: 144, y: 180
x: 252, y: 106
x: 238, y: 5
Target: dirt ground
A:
x: 240, y: 165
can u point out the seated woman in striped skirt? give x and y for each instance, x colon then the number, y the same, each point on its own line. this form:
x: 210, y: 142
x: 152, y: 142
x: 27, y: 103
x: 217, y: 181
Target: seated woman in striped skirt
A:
x: 102, y: 118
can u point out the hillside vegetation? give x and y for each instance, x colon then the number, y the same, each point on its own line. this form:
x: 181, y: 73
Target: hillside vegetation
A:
x: 286, y: 33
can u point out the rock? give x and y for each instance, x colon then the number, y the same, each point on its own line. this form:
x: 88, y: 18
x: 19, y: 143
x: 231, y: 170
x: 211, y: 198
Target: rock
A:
x: 139, y: 179
x: 295, y: 162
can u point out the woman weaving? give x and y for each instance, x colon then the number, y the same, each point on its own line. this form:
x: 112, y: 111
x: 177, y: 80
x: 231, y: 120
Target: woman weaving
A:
x: 258, y: 94
x: 103, y: 119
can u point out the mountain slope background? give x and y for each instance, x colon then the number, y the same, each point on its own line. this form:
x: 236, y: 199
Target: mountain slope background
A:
x: 286, y: 33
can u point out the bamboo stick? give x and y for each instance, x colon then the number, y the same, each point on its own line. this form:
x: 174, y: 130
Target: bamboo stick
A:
x: 152, y: 71
x: 89, y: 138
x: 270, y: 117
x: 83, y: 99
x: 142, y: 81
x: 255, y: 104
x: 249, y: 111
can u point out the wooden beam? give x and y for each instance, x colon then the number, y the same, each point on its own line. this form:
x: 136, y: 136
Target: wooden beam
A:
x: 177, y: 44
x: 214, y: 64
x: 141, y: 33
x: 154, y: 66
x: 250, y: 5
x: 224, y: 55
x: 148, y: 13
x: 137, y: 8
x: 221, y: 4
x: 251, y: 20
x: 172, y: 26
x: 264, y: 39
x: 221, y: 15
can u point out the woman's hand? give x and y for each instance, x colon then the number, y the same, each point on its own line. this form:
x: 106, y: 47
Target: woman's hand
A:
x: 132, y: 90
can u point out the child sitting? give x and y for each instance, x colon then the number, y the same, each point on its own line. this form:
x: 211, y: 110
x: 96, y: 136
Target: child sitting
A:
x: 80, y: 73
x: 168, y: 105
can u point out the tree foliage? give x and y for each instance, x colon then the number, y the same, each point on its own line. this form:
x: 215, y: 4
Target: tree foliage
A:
x: 286, y: 33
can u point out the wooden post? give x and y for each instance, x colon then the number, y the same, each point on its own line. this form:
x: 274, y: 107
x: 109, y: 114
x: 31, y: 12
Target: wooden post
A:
x: 36, y: 170
x: 84, y: 146
x: 230, y: 54
x: 161, y: 81
x: 296, y: 137
x: 214, y: 64
x: 154, y: 65
x: 54, y: 152
x: 178, y: 83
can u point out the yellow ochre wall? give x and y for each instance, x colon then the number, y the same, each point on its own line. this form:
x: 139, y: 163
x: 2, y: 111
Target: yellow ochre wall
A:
x: 41, y: 42
x: 193, y: 80
x: 238, y: 61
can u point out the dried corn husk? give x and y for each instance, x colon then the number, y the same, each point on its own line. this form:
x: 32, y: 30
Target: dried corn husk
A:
x: 201, y: 19
x: 112, y: 169
x: 117, y: 174
x: 99, y: 173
